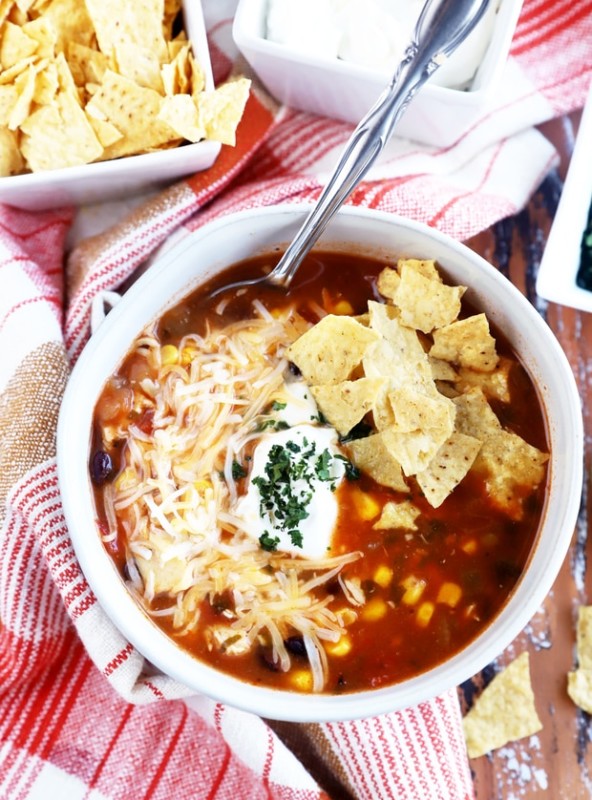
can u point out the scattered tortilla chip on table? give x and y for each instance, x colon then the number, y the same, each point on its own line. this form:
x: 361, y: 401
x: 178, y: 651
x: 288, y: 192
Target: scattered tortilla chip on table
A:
x: 504, y: 712
x: 579, y: 681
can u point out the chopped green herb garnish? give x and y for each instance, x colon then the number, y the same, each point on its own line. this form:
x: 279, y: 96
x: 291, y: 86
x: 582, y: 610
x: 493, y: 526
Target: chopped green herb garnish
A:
x: 268, y: 542
x: 286, y: 487
x: 272, y: 424
x: 238, y: 471
x: 277, y: 406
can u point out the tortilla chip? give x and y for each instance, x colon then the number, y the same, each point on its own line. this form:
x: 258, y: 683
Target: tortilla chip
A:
x: 579, y: 688
x: 504, y: 712
x: 106, y: 133
x: 46, y: 85
x: 133, y: 110
x: 413, y: 450
x: 414, y: 410
x: 513, y: 468
x: 398, y: 515
x: 71, y: 22
x: 584, y: 637
x: 373, y: 457
x: 129, y: 27
x: 8, y: 98
x: 426, y: 303
x: 25, y: 88
x: 180, y: 113
x: 426, y: 267
x: 398, y: 354
x: 344, y: 404
x: 474, y: 415
x: 140, y: 65
x: 467, y: 343
x: 220, y: 111
x: 41, y: 31
x: 442, y: 370
x: 5, y: 8
x: 448, y: 467
x: 495, y: 384
x: 15, y: 45
x: 11, y: 162
x: 388, y: 282
x: 87, y: 65
x: 59, y: 135
x: 328, y: 352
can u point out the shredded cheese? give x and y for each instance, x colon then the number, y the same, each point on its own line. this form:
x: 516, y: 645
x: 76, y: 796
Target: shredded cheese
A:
x: 176, y: 502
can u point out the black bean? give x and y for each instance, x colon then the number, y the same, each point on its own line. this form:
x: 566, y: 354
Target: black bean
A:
x: 295, y: 645
x: 294, y: 369
x: 101, y: 467
x: 269, y: 659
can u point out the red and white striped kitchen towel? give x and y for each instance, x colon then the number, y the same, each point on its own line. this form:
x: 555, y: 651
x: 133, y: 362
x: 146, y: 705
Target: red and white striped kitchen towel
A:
x: 81, y: 716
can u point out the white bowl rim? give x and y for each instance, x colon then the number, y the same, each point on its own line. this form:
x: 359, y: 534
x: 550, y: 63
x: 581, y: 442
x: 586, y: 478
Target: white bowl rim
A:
x: 119, y: 606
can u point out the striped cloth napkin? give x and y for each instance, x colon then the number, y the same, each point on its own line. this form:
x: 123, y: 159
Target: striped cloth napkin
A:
x: 81, y: 714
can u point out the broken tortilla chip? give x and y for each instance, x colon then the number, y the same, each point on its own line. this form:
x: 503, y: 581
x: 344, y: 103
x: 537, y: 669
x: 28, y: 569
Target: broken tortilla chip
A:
x: 373, y: 457
x: 425, y: 303
x: 344, y: 404
x: 329, y: 352
x: 468, y: 343
x: 398, y: 515
x: 504, y: 712
x: 579, y: 682
x: 448, y: 467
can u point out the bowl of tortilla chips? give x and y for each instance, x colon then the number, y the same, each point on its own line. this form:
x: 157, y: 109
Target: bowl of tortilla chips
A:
x: 100, y: 100
x: 438, y: 397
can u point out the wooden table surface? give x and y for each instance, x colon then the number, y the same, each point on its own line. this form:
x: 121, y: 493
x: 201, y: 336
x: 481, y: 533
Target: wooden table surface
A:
x: 557, y: 762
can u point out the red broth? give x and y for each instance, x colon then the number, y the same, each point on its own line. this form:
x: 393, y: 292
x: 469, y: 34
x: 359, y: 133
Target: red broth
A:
x: 428, y: 592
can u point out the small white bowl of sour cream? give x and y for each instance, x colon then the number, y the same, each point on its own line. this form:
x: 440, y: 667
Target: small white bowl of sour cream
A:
x: 201, y: 255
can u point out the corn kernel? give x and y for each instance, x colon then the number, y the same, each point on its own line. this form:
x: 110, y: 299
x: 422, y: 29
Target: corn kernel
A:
x: 301, y: 680
x: 343, y: 307
x: 414, y: 588
x: 169, y: 354
x: 187, y: 355
x: 450, y: 594
x: 469, y: 547
x: 424, y: 613
x: 125, y: 479
x: 374, y: 609
x: 366, y: 506
x: 383, y: 576
x: 340, y: 648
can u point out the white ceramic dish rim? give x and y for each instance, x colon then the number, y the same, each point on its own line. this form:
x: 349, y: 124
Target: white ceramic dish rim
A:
x: 483, y: 83
x: 556, y: 280
x: 145, y: 300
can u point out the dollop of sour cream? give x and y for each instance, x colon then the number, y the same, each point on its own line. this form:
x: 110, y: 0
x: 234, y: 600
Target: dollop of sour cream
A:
x: 290, y: 504
x: 371, y: 33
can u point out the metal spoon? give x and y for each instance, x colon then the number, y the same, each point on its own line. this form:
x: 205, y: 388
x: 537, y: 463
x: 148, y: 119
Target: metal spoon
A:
x: 442, y: 26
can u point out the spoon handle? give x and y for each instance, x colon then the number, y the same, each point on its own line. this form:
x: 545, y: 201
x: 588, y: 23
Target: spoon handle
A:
x: 440, y: 29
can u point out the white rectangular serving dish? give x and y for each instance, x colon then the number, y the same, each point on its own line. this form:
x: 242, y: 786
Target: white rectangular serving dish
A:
x: 104, y: 180
x: 556, y: 280
x: 346, y: 91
